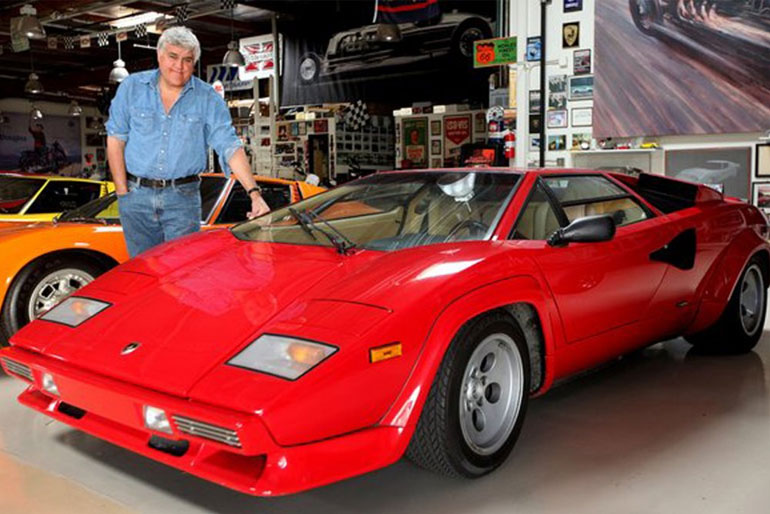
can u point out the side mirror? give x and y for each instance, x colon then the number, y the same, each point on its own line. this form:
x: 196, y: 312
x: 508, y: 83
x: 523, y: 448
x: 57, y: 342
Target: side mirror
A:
x: 591, y: 229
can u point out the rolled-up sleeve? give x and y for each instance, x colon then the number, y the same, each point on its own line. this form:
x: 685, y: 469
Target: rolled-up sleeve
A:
x: 221, y: 135
x: 118, y: 123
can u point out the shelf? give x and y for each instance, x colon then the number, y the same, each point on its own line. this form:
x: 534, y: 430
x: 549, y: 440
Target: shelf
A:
x: 630, y: 150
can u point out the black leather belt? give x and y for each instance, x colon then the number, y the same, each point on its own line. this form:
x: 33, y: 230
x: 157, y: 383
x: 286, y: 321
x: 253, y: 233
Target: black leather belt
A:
x: 162, y: 182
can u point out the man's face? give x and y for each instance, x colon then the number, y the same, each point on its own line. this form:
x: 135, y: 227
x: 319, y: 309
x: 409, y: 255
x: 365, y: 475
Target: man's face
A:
x: 176, y: 65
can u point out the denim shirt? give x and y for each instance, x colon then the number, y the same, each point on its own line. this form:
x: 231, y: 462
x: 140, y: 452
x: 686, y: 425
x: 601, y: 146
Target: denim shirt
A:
x: 173, y: 145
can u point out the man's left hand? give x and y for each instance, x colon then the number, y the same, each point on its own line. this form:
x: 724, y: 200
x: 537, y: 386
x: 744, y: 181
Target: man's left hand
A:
x: 258, y: 206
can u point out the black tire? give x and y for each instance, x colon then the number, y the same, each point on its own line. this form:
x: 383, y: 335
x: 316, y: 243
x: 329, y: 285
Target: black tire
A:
x: 646, y: 15
x: 732, y: 333
x: 464, y: 36
x: 309, y: 68
x: 15, y: 312
x: 438, y: 443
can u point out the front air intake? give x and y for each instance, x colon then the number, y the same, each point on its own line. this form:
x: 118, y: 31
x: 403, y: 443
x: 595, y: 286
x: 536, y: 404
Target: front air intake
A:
x: 207, y: 431
x: 19, y: 369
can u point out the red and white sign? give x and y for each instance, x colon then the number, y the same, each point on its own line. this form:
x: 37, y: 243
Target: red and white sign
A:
x: 259, y: 53
x: 457, y: 131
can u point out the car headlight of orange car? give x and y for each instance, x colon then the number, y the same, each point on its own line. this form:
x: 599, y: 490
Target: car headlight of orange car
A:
x: 283, y: 356
x: 75, y: 310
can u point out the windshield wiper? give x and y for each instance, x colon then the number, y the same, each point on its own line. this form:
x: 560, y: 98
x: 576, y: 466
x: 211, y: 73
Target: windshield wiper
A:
x: 343, y: 243
x: 82, y: 219
x: 304, y: 221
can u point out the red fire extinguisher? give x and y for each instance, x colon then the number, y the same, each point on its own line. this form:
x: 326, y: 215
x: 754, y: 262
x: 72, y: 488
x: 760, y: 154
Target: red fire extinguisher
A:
x: 509, y: 147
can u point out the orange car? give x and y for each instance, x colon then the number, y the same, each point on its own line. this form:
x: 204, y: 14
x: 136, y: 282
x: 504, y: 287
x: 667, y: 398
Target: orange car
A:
x: 43, y: 263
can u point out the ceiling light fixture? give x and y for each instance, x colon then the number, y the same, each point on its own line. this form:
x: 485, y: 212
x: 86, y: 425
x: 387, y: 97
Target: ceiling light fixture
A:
x: 33, y: 85
x: 233, y: 56
x: 35, y: 114
x: 119, y: 71
x: 75, y: 109
x: 30, y: 25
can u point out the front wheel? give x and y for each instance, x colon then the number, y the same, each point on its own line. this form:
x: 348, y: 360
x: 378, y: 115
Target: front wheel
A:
x: 309, y: 67
x: 646, y: 14
x: 739, y: 328
x: 477, y: 402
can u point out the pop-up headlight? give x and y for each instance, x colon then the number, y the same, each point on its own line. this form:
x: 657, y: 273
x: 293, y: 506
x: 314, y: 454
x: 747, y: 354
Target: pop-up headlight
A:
x: 286, y: 357
x: 75, y: 310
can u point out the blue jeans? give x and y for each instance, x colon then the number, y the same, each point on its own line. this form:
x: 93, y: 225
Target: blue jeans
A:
x: 151, y: 216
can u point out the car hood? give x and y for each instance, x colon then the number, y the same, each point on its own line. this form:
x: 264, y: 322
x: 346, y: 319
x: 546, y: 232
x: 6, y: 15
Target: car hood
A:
x: 189, y: 309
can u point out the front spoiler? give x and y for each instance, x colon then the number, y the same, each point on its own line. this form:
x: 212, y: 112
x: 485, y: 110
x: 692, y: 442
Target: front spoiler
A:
x: 259, y: 467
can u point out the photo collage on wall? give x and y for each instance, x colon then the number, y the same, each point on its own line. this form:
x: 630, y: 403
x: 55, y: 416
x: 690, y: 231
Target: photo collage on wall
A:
x: 760, y: 188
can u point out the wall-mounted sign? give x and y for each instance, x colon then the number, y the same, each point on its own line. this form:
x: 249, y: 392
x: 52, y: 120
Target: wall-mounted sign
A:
x: 259, y: 53
x: 457, y: 131
x: 416, y: 141
x: 494, y: 52
x: 228, y: 76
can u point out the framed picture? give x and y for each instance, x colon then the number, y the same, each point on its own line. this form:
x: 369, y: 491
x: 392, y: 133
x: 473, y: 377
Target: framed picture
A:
x: 534, y: 124
x: 435, y: 128
x: 582, y: 116
x: 557, y: 143
x: 435, y: 163
x: 534, y: 143
x: 321, y: 126
x: 763, y: 160
x: 479, y: 124
x: 760, y: 195
x: 573, y: 5
x: 721, y: 168
x: 581, y: 141
x: 415, y: 140
x: 534, y: 48
x: 435, y: 146
x: 556, y: 119
x: 535, y: 103
x: 557, y: 83
x: 570, y: 34
x: 581, y: 63
x: 581, y: 88
x: 302, y: 128
x: 557, y: 101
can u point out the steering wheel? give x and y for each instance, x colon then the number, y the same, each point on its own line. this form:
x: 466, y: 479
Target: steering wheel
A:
x: 475, y: 229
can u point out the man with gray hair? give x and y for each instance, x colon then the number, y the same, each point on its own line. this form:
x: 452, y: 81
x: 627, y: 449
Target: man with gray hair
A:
x: 161, y: 123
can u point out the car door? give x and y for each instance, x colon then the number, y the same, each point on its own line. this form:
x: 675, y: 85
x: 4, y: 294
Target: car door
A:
x: 597, y: 286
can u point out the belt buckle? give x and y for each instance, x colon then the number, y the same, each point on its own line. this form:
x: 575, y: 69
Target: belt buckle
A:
x: 163, y: 182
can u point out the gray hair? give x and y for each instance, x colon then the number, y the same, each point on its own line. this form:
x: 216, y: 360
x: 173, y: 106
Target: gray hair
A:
x: 180, y: 36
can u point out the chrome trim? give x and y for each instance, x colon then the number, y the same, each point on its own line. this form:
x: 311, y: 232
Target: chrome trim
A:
x: 207, y: 431
x: 17, y: 368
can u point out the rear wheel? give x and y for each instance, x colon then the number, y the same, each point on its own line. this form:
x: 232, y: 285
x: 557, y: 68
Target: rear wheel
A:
x: 739, y: 328
x: 476, y: 405
x: 309, y: 67
x: 40, y: 287
x: 646, y: 14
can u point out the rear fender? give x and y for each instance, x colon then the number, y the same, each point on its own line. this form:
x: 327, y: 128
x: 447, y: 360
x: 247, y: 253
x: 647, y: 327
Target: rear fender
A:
x: 723, y: 278
x: 405, y: 411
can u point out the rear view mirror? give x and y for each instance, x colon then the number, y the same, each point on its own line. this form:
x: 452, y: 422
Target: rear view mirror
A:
x: 591, y: 229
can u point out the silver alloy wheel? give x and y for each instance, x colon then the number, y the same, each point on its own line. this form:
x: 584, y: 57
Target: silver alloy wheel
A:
x: 55, y: 287
x: 491, y: 394
x: 752, y: 299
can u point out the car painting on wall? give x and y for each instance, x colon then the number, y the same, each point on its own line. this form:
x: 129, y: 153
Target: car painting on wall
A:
x: 721, y: 168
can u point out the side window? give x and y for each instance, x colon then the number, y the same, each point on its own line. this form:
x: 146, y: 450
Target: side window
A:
x: 538, y: 220
x: 581, y: 196
x: 62, y: 195
x: 238, y: 202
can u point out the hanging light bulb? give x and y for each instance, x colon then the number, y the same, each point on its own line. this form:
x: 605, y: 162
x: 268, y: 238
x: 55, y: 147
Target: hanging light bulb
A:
x: 119, y: 71
x: 33, y: 85
x: 75, y: 109
x: 35, y: 114
x: 233, y: 56
x: 30, y: 25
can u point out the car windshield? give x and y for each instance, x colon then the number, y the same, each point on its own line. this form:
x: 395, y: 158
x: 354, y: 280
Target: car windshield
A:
x: 106, y: 208
x: 391, y: 211
x: 15, y: 192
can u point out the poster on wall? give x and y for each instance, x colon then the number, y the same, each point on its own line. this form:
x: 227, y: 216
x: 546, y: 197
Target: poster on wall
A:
x: 415, y: 142
x: 724, y: 169
x: 259, y: 54
x: 679, y: 71
x: 763, y: 161
x: 457, y: 132
x: 426, y: 50
x: 49, y: 145
x: 761, y: 196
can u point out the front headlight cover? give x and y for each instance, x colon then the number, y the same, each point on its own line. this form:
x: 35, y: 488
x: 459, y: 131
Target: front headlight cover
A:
x: 282, y: 356
x: 75, y: 310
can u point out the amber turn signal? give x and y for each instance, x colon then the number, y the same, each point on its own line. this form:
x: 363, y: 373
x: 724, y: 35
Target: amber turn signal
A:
x: 386, y: 352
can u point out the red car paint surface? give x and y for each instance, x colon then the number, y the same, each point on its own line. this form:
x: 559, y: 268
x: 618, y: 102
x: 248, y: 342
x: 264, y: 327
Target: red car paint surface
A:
x: 196, y: 302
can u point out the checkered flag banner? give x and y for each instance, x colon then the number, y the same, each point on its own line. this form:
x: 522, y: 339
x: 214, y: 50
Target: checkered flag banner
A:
x: 141, y: 30
x: 356, y: 115
x: 69, y: 43
x: 102, y: 39
x: 182, y: 13
x: 228, y: 5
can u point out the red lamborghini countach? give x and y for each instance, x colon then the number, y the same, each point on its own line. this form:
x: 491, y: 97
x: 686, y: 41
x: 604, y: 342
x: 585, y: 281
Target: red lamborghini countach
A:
x: 407, y: 313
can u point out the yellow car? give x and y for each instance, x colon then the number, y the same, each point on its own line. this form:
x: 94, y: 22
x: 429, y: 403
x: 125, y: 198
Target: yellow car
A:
x: 33, y: 198
x: 42, y: 263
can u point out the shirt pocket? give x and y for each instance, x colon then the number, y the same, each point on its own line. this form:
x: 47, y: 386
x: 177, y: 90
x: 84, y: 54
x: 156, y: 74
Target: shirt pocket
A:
x: 192, y: 128
x: 142, y: 121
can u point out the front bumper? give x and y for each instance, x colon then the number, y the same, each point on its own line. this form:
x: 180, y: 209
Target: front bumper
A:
x: 256, y: 465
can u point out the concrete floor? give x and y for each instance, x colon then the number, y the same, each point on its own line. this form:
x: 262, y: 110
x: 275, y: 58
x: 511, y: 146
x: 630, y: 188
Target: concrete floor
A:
x: 665, y: 431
